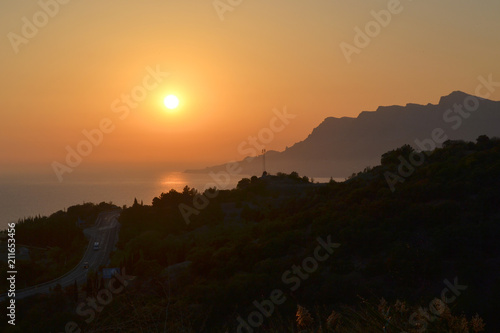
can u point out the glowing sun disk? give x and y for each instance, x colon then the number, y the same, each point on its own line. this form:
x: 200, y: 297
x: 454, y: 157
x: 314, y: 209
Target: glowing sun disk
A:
x: 171, y: 102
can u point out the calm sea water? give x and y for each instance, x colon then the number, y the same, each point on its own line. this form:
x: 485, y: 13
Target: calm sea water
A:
x: 23, y: 197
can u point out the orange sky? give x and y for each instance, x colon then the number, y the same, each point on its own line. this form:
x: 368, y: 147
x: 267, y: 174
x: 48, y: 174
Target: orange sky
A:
x: 229, y: 74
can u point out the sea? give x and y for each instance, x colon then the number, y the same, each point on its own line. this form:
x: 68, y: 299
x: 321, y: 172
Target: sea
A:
x: 22, y: 197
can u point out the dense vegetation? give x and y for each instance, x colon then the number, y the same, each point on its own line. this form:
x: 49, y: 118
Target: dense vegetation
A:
x: 436, y: 234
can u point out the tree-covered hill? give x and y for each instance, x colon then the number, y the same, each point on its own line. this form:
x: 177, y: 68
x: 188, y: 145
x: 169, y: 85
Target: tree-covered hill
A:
x: 404, y: 227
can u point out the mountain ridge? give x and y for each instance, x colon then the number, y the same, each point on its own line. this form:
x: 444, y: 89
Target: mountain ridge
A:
x: 340, y: 146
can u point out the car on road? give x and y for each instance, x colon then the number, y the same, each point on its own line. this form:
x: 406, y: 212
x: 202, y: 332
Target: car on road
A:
x: 86, y: 265
x: 96, y: 245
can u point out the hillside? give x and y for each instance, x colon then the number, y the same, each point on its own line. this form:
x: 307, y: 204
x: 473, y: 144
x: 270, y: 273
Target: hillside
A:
x: 346, y: 257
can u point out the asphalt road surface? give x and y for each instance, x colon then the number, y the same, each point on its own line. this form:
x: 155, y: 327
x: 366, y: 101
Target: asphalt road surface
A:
x: 105, y: 231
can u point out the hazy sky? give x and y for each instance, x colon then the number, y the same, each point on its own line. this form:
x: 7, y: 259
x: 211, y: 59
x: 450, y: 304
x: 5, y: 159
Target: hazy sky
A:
x: 70, y: 73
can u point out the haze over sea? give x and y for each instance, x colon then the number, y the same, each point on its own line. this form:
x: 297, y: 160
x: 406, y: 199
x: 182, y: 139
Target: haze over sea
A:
x: 24, y: 196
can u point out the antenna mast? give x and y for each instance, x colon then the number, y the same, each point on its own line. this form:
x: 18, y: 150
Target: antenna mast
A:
x: 263, y: 161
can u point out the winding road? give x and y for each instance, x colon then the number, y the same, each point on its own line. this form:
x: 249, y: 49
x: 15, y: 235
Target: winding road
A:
x: 105, y: 231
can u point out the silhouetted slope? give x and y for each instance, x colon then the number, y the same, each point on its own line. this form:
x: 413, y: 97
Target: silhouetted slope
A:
x: 438, y: 230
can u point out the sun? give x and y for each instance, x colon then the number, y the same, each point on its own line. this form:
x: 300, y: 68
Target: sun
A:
x: 171, y: 102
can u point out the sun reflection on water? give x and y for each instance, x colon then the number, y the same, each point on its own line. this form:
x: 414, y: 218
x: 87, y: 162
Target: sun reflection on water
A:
x: 174, y: 180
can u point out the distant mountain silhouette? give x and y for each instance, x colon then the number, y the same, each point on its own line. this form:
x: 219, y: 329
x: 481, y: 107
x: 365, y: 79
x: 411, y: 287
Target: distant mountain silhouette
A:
x: 340, y: 146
